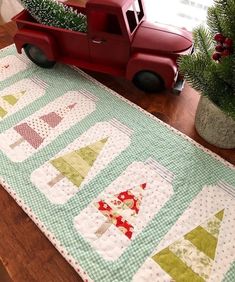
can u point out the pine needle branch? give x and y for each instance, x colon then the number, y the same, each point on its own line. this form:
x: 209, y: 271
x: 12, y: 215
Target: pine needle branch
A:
x: 203, y: 41
x: 214, y: 79
x: 213, y: 21
x: 53, y: 13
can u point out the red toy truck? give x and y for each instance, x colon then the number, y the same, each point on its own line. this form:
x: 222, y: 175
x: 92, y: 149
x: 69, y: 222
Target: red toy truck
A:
x: 119, y: 41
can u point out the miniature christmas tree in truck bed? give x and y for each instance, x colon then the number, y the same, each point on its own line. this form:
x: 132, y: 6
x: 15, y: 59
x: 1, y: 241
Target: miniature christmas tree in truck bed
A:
x: 53, y: 13
x: 145, y: 53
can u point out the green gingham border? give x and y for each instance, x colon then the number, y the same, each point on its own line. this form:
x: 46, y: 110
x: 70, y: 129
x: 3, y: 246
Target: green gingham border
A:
x: 209, y: 152
x: 55, y: 242
x: 230, y: 275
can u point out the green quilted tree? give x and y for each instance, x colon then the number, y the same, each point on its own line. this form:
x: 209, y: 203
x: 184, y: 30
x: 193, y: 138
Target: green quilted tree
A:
x: 211, y: 69
x: 54, y: 13
x: 75, y: 165
x: 9, y: 101
x: 191, y: 257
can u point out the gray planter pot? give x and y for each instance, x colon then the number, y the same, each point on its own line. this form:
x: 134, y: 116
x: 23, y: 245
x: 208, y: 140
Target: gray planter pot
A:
x: 214, y: 126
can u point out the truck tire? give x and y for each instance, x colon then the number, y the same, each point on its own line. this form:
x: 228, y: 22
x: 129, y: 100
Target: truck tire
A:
x: 37, y: 56
x: 148, y: 81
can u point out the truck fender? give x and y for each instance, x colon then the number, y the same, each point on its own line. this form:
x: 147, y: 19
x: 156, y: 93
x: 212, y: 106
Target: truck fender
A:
x: 43, y: 41
x: 165, y: 67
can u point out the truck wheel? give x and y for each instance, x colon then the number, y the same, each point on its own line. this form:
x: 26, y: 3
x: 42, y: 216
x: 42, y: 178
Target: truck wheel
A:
x: 37, y: 56
x: 148, y: 81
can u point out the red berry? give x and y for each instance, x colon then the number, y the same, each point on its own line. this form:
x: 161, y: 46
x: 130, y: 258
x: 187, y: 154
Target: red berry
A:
x: 227, y: 47
x: 219, y: 48
x: 219, y: 37
x: 228, y: 42
x: 225, y: 53
x: 216, y: 56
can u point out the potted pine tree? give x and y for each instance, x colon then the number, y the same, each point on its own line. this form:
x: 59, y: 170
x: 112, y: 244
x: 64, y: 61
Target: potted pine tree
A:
x: 211, y: 71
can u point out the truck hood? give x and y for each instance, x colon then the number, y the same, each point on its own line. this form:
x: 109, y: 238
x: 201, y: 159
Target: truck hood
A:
x: 161, y: 38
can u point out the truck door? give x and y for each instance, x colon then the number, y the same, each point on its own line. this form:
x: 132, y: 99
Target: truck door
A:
x: 108, y: 44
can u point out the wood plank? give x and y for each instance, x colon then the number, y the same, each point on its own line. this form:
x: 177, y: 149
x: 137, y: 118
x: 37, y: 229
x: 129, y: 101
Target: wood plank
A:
x: 28, y: 254
x: 4, y: 276
x: 7, y: 32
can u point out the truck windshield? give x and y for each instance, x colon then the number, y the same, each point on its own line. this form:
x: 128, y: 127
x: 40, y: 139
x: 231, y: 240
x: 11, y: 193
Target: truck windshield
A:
x: 134, y: 14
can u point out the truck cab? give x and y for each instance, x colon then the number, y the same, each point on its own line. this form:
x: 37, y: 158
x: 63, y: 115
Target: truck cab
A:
x: 119, y: 41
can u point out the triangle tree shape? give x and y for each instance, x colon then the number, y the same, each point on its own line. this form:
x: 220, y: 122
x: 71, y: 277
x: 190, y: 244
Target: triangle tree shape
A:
x: 30, y: 131
x: 54, y: 118
x: 76, y: 164
x: 191, y: 257
x: 121, y: 210
x: 11, y: 100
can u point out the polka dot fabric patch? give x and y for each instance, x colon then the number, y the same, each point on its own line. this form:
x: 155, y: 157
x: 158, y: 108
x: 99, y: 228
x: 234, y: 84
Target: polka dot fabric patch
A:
x: 122, y: 196
x: 35, y: 132
x: 68, y: 172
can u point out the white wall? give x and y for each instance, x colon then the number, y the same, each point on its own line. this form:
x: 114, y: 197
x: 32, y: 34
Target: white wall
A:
x: 9, y: 8
x: 182, y: 13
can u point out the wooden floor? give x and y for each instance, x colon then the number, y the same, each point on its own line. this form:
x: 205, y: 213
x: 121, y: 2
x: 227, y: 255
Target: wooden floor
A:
x: 25, y: 253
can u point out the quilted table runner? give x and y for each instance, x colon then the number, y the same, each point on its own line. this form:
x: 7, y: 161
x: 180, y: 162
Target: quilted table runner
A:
x: 123, y: 196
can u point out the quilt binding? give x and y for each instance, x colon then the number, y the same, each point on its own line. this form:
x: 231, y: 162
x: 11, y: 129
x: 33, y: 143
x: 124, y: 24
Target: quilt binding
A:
x: 50, y: 236
x: 56, y: 243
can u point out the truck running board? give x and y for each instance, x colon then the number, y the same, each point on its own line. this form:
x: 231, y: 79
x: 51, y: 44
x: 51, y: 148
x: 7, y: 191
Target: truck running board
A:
x: 93, y: 66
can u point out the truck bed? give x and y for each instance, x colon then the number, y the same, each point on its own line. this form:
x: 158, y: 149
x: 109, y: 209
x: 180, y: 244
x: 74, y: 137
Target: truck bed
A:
x: 25, y: 19
x: 70, y: 42
x: 72, y: 47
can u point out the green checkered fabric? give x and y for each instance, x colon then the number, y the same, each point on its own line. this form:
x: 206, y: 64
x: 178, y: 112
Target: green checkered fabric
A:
x: 192, y: 166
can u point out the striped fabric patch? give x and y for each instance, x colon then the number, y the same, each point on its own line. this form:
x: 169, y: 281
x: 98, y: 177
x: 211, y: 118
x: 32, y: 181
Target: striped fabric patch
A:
x: 191, y: 257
